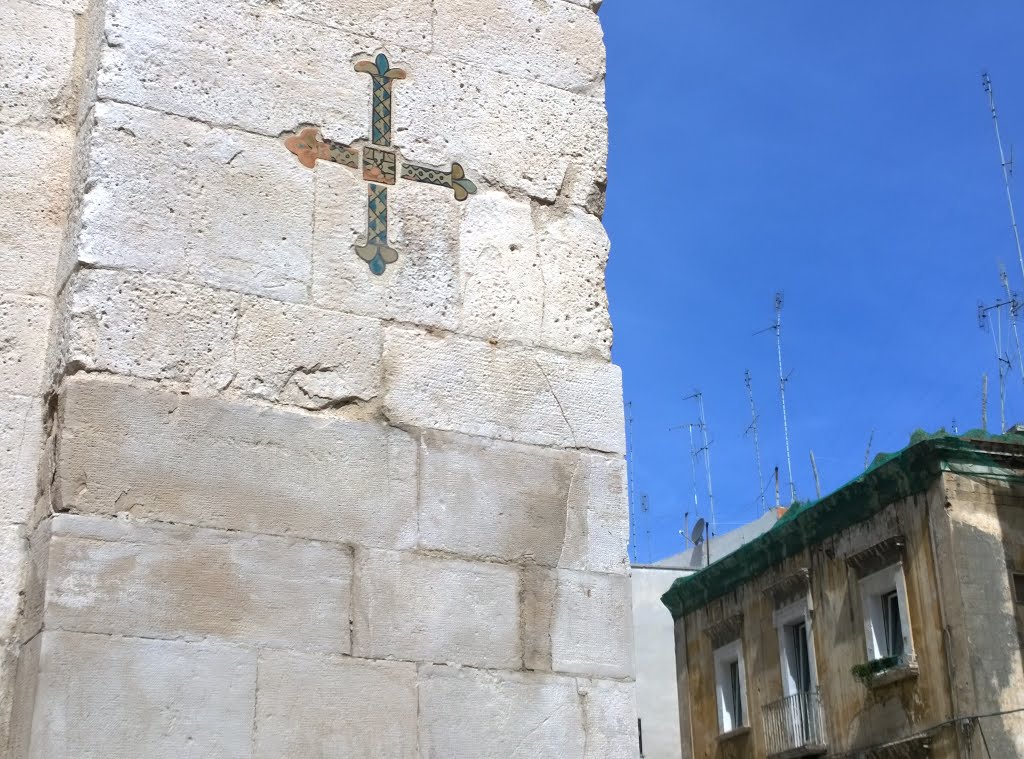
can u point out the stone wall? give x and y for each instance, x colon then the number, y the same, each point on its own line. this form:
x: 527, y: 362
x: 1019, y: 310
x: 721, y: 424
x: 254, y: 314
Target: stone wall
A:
x: 256, y: 500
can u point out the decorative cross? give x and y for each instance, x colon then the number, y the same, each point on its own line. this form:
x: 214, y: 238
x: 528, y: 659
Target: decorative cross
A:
x: 380, y: 163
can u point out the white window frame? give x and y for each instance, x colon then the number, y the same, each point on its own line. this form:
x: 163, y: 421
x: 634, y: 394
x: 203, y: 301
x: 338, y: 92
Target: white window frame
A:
x: 724, y: 657
x: 872, y: 589
x: 783, y: 619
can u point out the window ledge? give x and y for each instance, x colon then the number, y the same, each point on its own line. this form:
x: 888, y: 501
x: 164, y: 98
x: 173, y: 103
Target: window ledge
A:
x: 893, y: 675
x: 739, y: 731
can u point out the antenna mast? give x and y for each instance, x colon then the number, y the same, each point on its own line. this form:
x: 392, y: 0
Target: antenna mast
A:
x: 629, y: 477
x: 1014, y: 310
x: 1007, y: 166
x: 1002, y: 359
x: 757, y: 444
x: 984, y: 402
x: 782, y: 393
x: 707, y: 454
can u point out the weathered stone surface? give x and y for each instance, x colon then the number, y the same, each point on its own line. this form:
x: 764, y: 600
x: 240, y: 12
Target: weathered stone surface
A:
x: 555, y: 43
x: 21, y: 441
x: 38, y: 62
x: 507, y: 392
x: 402, y: 22
x: 13, y: 565
x: 574, y: 251
x: 501, y: 279
x: 166, y: 581
x: 467, y: 714
x: 275, y: 72
x: 122, y: 698
x: 150, y: 328
x: 578, y: 622
x: 24, y: 321
x: 420, y: 608
x: 609, y: 719
x: 36, y: 190
x: 166, y: 199
x: 422, y: 287
x: 334, y: 708
x: 231, y: 465
x: 597, y: 527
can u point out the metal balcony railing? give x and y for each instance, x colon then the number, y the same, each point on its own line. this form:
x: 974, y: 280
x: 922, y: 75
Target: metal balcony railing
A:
x: 793, y: 726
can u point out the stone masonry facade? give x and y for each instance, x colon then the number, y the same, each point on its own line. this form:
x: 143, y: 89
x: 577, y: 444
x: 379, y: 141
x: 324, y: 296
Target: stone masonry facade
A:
x: 254, y: 500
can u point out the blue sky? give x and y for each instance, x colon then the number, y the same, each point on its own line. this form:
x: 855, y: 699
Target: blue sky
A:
x: 842, y: 153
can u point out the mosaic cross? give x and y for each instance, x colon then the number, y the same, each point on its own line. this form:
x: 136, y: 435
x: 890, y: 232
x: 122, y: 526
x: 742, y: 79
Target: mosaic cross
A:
x: 379, y: 162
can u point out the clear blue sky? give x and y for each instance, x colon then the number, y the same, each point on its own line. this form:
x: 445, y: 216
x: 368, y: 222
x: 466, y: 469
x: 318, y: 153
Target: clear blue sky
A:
x: 842, y: 153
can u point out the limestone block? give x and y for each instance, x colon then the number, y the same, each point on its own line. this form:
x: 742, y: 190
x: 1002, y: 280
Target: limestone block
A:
x: 419, y: 608
x: 37, y: 67
x: 334, y: 708
x: 21, y: 441
x: 403, y: 22
x: 274, y: 72
x: 423, y: 225
x: 610, y: 719
x: 123, y: 698
x: 556, y: 43
x: 231, y: 465
x: 597, y: 526
x: 168, y: 581
x: 35, y: 203
x: 175, y: 198
x: 578, y: 622
x: 307, y: 356
x: 24, y: 321
x: 13, y: 575
x: 574, y: 251
x: 507, y: 392
x: 151, y: 328
x: 469, y: 714
x: 501, y: 278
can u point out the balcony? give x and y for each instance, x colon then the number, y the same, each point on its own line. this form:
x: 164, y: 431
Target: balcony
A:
x: 793, y: 726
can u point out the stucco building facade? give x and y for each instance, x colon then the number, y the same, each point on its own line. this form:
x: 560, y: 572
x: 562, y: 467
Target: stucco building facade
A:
x: 885, y: 620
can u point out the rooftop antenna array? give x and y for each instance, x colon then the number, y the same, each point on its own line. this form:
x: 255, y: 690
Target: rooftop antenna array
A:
x: 629, y: 477
x: 1002, y: 357
x: 783, y: 379
x: 645, y: 507
x: 706, y: 450
x: 1005, y: 165
x: 694, y: 454
x: 1014, y: 312
x: 752, y: 429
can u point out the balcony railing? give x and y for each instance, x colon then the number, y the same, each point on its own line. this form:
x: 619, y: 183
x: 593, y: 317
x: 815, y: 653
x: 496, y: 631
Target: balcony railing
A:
x: 793, y: 726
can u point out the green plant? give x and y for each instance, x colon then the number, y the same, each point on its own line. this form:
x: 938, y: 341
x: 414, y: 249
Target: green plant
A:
x: 864, y: 672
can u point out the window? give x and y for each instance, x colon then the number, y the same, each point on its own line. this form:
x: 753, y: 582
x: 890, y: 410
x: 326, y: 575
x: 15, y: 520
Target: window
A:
x: 731, y: 687
x: 1018, y: 587
x: 796, y: 649
x: 886, y: 624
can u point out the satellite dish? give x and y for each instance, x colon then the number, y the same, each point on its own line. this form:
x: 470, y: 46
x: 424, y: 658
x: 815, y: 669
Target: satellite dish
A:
x: 697, y: 536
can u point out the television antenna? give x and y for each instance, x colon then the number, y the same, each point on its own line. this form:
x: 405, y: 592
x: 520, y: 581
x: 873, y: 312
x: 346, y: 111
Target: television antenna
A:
x: 629, y: 477
x: 706, y: 450
x: 783, y: 379
x: 1002, y: 357
x: 1004, y: 164
x: 752, y: 429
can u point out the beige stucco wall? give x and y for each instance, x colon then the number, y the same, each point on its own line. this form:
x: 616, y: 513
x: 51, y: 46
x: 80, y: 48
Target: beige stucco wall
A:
x: 257, y: 501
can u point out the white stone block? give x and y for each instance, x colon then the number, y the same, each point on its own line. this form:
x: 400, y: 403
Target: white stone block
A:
x: 422, y: 286
x: 556, y: 43
x: 35, y: 205
x: 469, y: 714
x: 125, y: 698
x: 24, y: 321
x: 175, y: 198
x: 610, y: 719
x: 501, y: 279
x: 307, y: 356
x: 13, y: 578
x: 21, y: 442
x: 493, y: 500
x: 597, y: 526
x: 574, y: 252
x: 236, y: 466
x: 37, y: 66
x: 151, y: 328
x: 590, y: 629
x: 168, y: 581
x: 507, y: 392
x: 419, y: 608
x: 274, y: 72
x: 400, y: 22
x: 334, y: 708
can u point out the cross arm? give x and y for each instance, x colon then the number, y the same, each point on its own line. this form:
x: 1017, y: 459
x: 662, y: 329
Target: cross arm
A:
x: 455, y: 179
x: 309, y: 147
